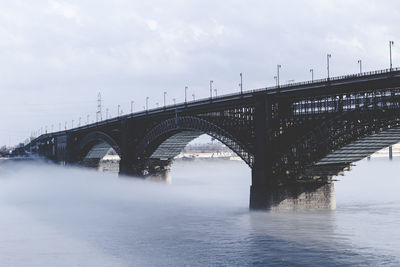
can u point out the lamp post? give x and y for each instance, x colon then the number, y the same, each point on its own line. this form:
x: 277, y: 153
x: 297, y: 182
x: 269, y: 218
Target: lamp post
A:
x: 276, y: 80
x: 216, y: 92
x: 360, y: 63
x: 72, y: 124
x: 186, y: 94
x: 241, y: 83
x: 87, y: 122
x: 194, y: 97
x: 328, y: 56
x: 132, y: 105
x: 277, y: 77
x: 157, y: 104
x: 174, y: 99
x: 107, y: 113
x: 211, y: 82
x: 391, y: 43
x: 118, y: 110
x: 147, y: 103
x: 80, y: 119
x: 65, y: 127
x: 312, y: 74
x: 165, y: 94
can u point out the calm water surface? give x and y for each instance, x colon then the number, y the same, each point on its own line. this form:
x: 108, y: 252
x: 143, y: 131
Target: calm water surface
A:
x: 56, y: 216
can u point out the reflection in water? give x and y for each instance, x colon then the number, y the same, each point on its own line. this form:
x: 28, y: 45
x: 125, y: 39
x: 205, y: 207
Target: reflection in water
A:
x: 55, y: 216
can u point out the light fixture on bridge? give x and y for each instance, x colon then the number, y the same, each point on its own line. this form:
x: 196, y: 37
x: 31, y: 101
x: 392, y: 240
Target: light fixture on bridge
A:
x: 391, y: 43
x: 360, y: 63
x: 276, y: 80
x: 132, y: 105
x: 147, y: 103
x: 241, y: 83
x: 328, y: 56
x: 211, y: 82
x: 277, y: 76
x: 194, y: 97
x: 312, y: 74
x: 186, y: 94
x: 165, y: 94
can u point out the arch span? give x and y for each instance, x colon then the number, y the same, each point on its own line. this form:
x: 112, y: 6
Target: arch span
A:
x: 333, y: 146
x: 95, y: 146
x: 168, y: 139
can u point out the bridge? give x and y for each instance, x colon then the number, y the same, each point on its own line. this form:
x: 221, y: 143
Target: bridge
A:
x: 295, y: 137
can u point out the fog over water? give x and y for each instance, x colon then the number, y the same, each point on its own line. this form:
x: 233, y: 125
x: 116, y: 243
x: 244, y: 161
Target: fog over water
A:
x: 58, y: 216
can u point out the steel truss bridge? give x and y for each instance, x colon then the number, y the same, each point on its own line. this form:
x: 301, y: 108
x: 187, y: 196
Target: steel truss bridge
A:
x: 293, y: 137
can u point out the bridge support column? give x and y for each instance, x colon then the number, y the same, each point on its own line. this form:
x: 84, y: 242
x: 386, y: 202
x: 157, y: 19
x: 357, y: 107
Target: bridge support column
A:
x: 268, y: 191
x: 262, y: 177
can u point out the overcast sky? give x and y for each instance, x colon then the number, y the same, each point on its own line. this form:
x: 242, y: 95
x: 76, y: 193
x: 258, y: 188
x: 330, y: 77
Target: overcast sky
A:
x: 57, y: 55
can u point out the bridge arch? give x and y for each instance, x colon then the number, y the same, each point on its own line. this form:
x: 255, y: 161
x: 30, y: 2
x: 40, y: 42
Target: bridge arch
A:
x: 94, y: 146
x: 351, y: 136
x: 168, y: 139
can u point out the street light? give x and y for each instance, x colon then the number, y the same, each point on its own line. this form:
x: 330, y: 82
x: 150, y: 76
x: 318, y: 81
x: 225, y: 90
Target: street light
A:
x: 186, y: 94
x: 147, y: 103
x: 390, y: 51
x: 87, y: 119
x: 165, y: 93
x: 132, y: 105
x: 241, y: 83
x: 277, y: 68
x: 194, y: 97
x: 72, y: 124
x: 157, y: 104
x: 118, y: 110
x: 360, y: 63
x: 107, y: 113
x: 174, y: 99
x: 211, y: 82
x: 216, y: 92
x: 312, y: 74
x: 328, y: 56
x: 80, y: 121
x: 276, y: 80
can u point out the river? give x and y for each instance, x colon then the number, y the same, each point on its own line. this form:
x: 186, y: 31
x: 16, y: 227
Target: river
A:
x: 58, y: 216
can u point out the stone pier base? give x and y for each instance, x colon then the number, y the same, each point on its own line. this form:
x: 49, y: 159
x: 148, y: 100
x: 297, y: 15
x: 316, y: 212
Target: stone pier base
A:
x: 294, y: 197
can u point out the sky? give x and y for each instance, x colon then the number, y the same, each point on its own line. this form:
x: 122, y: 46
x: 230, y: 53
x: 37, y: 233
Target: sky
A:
x: 56, y: 56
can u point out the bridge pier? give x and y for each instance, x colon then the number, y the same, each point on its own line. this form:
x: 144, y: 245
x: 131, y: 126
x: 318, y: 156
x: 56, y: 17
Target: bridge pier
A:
x: 295, y: 196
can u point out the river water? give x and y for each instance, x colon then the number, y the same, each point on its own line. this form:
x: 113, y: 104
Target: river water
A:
x: 58, y: 216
